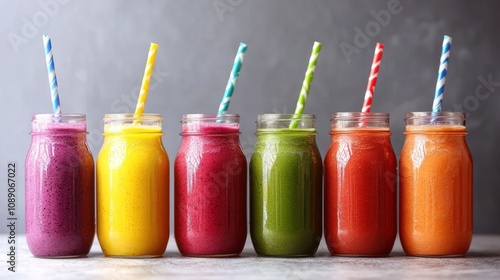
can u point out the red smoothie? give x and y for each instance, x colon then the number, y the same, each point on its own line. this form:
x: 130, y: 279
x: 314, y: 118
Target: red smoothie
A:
x: 360, y: 191
x: 210, y: 188
x: 59, y: 188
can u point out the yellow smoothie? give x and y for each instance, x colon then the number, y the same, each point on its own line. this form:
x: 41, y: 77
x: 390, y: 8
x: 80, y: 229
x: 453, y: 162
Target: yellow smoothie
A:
x: 132, y: 191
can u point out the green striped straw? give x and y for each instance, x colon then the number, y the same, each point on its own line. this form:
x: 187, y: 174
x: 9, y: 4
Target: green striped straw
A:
x: 306, y: 85
x: 233, y: 77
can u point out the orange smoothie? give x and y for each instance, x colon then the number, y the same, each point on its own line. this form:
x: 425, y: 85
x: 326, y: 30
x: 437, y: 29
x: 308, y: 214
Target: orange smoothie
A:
x: 435, y: 191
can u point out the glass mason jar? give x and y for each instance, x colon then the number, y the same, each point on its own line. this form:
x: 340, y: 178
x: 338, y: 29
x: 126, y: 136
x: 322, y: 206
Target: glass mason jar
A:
x: 133, y: 187
x: 210, y: 174
x: 435, y: 185
x: 360, y: 186
x: 285, y: 187
x: 59, y: 176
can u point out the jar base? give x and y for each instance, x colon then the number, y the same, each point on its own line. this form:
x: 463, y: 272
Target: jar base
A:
x: 436, y: 256
x: 286, y: 256
x: 361, y: 255
x: 133, y: 256
x: 231, y: 255
x: 62, y: 257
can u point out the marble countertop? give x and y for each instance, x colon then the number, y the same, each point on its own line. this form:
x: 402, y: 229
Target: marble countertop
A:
x: 482, y: 262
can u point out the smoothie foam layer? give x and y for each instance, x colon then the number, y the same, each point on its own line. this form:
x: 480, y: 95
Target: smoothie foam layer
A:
x: 208, y: 127
x: 59, y: 127
x: 131, y: 128
x: 435, y: 128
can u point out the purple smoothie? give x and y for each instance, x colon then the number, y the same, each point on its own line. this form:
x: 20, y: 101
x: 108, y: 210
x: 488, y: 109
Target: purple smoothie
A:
x: 59, y: 174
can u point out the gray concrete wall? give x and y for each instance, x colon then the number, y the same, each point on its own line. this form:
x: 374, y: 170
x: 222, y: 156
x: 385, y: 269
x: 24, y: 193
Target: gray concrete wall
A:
x: 100, y: 48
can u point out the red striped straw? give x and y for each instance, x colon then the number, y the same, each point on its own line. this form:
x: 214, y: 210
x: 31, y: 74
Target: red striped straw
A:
x: 372, y: 81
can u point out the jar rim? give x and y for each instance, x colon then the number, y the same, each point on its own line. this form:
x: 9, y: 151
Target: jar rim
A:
x: 285, y: 117
x: 208, y: 117
x: 291, y: 121
x: 59, y: 117
x: 434, y: 114
x: 359, y: 120
x: 60, y: 124
x: 435, y: 118
x: 359, y: 114
x: 114, y: 122
x: 132, y: 116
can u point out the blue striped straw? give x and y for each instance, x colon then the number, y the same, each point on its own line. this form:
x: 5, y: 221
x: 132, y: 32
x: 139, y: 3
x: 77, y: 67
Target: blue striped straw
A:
x: 235, y: 73
x: 441, y: 80
x: 52, y: 74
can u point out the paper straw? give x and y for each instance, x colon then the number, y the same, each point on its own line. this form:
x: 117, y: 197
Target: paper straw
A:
x: 56, y: 106
x: 233, y: 77
x: 306, y: 85
x: 441, y: 80
x: 372, y: 80
x: 148, y: 72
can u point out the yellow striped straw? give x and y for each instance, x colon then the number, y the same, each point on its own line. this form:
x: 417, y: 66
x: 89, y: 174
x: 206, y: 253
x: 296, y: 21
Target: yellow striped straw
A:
x: 148, y: 72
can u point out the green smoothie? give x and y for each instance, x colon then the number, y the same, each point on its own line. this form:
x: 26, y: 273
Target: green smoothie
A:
x: 285, y: 192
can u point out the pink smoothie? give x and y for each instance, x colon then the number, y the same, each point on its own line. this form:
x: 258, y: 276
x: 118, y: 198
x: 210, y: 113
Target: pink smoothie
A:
x: 210, y: 190
x: 59, y: 191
